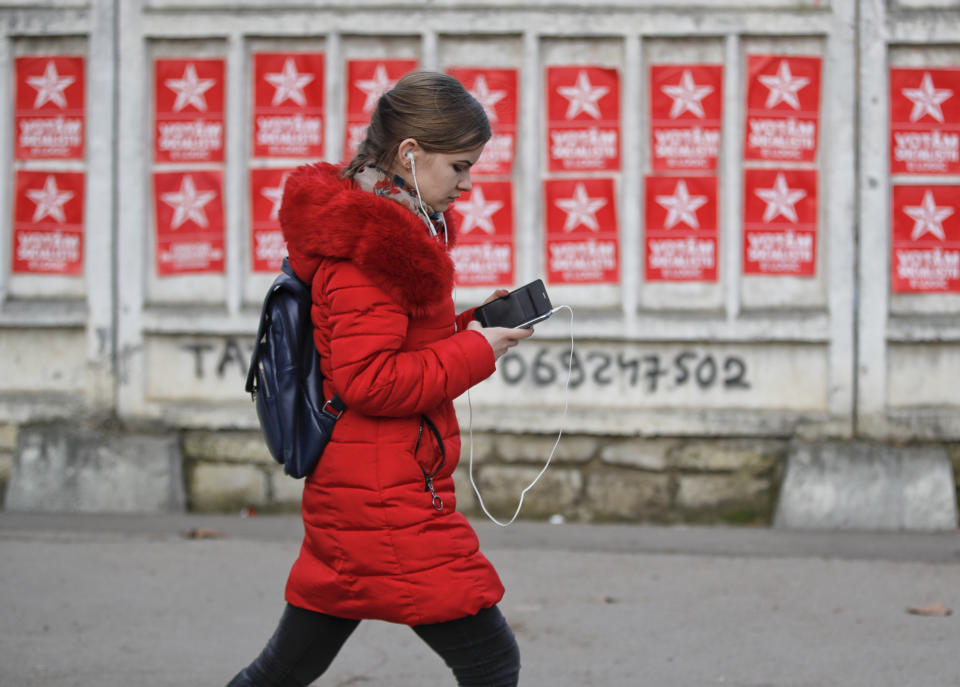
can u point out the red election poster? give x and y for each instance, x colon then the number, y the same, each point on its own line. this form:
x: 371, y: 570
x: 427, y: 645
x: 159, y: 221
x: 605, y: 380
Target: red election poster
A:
x: 267, y: 245
x: 48, y: 222
x: 189, y: 216
x: 288, y: 105
x: 783, y: 108
x: 780, y: 222
x: 925, y: 121
x: 484, y: 251
x: 926, y: 239
x: 496, y: 90
x: 188, y: 101
x: 583, y: 118
x: 49, y: 109
x: 686, y: 102
x: 582, y: 244
x: 681, y: 228
x: 367, y: 80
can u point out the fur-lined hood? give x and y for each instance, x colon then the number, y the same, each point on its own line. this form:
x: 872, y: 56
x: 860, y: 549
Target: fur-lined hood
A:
x: 324, y: 215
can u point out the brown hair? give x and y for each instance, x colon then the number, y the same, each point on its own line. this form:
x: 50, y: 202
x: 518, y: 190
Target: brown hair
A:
x: 432, y: 108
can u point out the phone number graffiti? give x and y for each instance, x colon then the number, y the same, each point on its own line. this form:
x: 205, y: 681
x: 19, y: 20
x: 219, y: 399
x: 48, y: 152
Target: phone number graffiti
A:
x: 653, y: 372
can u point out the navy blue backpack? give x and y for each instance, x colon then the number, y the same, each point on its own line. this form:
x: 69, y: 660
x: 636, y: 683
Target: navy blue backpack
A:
x: 285, y: 380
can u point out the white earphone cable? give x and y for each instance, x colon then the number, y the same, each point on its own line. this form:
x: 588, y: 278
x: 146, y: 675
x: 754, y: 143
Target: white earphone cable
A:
x: 563, y: 420
x: 416, y: 187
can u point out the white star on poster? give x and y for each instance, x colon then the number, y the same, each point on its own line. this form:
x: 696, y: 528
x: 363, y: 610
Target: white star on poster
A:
x: 481, y: 91
x: 188, y: 203
x: 478, y: 212
x: 780, y: 200
x: 927, y: 99
x: 783, y: 86
x: 687, y: 96
x: 50, y: 86
x: 375, y: 87
x: 583, y: 97
x: 681, y: 206
x: 49, y: 200
x: 190, y: 89
x: 289, y: 84
x: 928, y: 217
x: 275, y: 195
x: 581, y: 209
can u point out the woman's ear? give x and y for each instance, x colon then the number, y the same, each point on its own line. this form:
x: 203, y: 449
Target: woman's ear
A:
x: 407, y: 148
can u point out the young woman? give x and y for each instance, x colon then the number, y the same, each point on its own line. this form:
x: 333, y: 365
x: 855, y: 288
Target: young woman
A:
x: 382, y: 538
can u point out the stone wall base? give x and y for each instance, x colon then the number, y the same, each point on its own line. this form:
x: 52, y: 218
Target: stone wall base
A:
x: 62, y: 468
x: 8, y: 444
x: 602, y: 479
x: 590, y: 479
x: 868, y: 486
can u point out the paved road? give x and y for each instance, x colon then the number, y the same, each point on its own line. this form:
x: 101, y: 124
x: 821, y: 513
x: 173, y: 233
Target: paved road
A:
x: 117, y: 601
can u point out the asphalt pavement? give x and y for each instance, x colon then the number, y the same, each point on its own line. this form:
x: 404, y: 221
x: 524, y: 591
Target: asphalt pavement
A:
x: 186, y: 600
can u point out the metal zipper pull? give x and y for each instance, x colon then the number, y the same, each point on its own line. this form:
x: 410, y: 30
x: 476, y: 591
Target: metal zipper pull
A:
x: 437, y: 501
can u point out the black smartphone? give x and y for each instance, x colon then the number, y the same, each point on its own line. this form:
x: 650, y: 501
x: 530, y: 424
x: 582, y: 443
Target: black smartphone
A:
x: 523, y: 307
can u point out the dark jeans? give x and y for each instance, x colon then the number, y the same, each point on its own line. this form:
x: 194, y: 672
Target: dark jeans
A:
x: 480, y: 649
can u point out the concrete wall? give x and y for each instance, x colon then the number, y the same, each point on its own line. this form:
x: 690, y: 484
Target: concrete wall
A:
x: 907, y: 343
x: 684, y: 398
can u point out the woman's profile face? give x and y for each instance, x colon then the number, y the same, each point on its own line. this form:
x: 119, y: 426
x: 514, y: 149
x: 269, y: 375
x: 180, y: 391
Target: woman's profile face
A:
x: 442, y: 177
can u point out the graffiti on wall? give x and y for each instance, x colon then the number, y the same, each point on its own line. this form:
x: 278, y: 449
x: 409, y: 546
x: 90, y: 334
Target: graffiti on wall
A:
x: 541, y: 366
x: 219, y: 357
x: 651, y: 372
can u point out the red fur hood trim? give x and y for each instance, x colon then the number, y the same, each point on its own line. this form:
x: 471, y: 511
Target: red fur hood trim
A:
x: 324, y: 215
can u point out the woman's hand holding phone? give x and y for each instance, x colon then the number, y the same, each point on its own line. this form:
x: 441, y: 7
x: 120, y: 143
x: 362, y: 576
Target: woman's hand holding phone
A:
x: 501, y: 339
x: 499, y: 293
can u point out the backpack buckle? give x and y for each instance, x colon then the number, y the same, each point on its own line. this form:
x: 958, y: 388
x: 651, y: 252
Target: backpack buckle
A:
x: 330, y: 410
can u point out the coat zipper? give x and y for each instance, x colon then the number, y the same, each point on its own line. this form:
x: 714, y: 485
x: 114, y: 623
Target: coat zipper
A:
x: 428, y: 476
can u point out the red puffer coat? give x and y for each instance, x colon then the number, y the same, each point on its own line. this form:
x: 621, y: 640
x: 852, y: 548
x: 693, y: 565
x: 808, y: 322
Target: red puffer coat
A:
x: 375, y: 546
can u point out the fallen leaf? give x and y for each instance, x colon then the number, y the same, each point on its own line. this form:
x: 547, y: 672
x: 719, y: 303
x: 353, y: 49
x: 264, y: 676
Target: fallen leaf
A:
x: 934, y: 609
x: 202, y: 533
x: 605, y: 600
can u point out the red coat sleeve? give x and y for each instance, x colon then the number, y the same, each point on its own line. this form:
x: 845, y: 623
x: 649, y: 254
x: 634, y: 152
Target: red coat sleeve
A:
x: 372, y: 372
x: 464, y: 318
